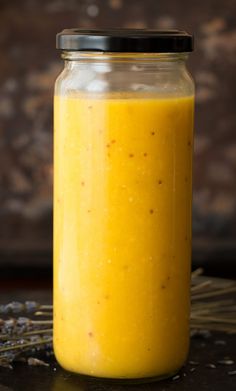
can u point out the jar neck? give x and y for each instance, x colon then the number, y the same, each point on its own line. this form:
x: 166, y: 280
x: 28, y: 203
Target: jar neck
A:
x: 171, y: 59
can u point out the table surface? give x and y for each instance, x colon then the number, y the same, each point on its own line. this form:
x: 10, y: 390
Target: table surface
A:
x: 204, y: 351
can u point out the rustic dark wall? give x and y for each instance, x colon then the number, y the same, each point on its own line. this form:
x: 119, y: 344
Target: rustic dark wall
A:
x: 29, y: 65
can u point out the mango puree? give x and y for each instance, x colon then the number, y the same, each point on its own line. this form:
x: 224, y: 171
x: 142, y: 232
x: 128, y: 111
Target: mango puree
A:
x: 122, y: 234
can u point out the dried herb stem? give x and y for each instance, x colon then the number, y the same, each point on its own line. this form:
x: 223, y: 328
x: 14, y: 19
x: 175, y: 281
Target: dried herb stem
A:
x: 201, y: 286
x: 214, y: 293
x: 42, y: 322
x: 196, y: 273
x: 22, y: 346
x: 37, y: 332
x: 212, y: 304
x: 213, y: 319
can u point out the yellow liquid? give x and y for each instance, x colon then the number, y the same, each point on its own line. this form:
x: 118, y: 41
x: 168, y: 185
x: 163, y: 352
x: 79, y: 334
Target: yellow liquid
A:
x: 122, y: 234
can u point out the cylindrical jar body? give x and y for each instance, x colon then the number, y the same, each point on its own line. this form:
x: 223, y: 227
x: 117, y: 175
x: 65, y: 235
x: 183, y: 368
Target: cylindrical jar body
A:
x: 122, y: 213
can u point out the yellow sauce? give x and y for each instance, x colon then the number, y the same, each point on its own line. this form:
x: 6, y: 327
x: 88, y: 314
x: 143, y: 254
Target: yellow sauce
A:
x: 122, y: 234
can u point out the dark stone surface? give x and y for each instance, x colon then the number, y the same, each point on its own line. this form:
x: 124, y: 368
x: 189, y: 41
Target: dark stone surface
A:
x: 29, y: 65
x: 204, y: 352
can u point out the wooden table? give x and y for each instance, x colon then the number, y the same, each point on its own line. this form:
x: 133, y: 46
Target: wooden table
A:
x: 199, y: 377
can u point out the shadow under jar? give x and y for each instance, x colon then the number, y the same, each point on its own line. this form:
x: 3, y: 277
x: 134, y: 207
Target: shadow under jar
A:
x: 123, y: 118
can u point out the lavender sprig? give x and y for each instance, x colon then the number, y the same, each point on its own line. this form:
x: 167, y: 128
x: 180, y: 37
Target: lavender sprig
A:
x: 30, y: 307
x: 21, y: 325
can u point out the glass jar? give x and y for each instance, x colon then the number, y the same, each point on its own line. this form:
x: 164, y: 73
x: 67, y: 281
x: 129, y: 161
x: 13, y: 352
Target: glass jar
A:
x: 123, y: 119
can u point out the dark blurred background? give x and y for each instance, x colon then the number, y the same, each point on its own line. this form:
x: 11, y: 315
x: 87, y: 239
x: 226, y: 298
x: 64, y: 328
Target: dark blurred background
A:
x: 29, y: 65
